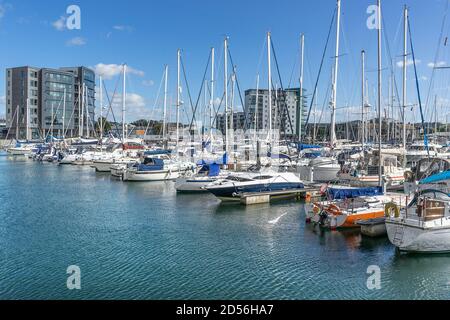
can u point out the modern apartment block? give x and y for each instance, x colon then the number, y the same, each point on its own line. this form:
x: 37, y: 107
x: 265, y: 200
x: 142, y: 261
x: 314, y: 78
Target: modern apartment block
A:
x: 84, y: 98
x: 45, y: 101
x: 22, y: 102
x: 287, y: 114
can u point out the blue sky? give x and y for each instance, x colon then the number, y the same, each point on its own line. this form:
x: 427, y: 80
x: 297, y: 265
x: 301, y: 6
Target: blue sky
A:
x: 146, y: 35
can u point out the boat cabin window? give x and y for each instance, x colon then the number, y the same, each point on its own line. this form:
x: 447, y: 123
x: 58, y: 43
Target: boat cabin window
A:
x: 263, y: 178
x: 238, y: 179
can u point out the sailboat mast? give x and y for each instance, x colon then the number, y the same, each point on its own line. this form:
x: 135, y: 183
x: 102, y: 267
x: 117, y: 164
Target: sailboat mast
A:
x: 82, y: 110
x: 363, y: 96
x: 64, y: 115
x: 124, y: 96
x: 17, y: 121
x: 300, y: 110
x: 178, y: 97
x: 225, y: 79
x: 405, y: 53
x: 211, y: 102
x: 269, y: 61
x: 101, y: 110
x: 335, y: 79
x: 87, y: 111
x: 28, y: 121
x: 166, y: 76
x: 380, y: 177
x: 256, y: 107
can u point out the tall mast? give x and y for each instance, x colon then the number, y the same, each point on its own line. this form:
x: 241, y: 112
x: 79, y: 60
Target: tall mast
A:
x: 17, y: 121
x: 335, y: 78
x: 101, y: 110
x: 363, y: 97
x: 87, y: 110
x: 28, y: 121
x: 380, y: 177
x: 225, y: 79
x: 269, y: 61
x: 82, y: 110
x: 178, y: 97
x: 79, y: 111
x: 405, y: 53
x: 300, y: 110
x: 256, y: 107
x: 124, y: 96
x: 166, y: 76
x: 64, y: 115
x: 211, y: 102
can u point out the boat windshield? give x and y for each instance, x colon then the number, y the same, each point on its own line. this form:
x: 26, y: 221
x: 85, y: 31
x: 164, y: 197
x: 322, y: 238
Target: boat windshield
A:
x: 238, y: 179
x: 263, y: 178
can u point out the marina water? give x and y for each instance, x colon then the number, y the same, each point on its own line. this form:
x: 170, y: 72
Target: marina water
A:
x: 143, y: 241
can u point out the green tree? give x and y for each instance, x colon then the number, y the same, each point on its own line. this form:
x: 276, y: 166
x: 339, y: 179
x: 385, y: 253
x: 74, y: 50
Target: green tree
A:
x: 106, y: 125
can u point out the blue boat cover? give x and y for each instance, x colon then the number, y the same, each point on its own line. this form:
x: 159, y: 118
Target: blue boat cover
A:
x: 308, y: 146
x: 157, y: 152
x: 350, y: 193
x: 213, y: 169
x: 436, y: 178
x: 158, y: 164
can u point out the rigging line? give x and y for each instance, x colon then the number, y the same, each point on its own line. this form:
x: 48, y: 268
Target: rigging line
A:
x: 188, y: 90
x: 444, y: 19
x: 418, y: 91
x: 284, y: 95
x: 201, y: 91
x: 391, y: 64
x: 320, y: 69
x: 280, y: 98
x: 110, y: 101
x: 239, y: 90
x: 155, y: 103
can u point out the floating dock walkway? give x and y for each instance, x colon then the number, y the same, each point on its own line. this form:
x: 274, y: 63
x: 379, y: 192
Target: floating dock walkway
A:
x: 249, y: 198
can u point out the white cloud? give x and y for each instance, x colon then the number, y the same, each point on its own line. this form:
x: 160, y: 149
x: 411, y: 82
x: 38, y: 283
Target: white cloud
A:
x: 437, y: 64
x: 123, y: 28
x: 148, y: 83
x: 77, y: 41
x: 3, y: 8
x: 60, y: 24
x: 409, y: 62
x: 135, y: 104
x: 109, y: 71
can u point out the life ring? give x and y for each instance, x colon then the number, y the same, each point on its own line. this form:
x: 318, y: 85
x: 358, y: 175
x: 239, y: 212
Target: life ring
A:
x: 333, y: 209
x: 388, y: 209
x: 316, y: 209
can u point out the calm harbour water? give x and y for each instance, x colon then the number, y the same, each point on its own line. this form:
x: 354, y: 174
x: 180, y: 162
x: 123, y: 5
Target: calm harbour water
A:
x: 143, y: 241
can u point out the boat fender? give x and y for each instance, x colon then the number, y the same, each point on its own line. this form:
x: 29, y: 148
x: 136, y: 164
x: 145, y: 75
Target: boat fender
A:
x: 389, y: 207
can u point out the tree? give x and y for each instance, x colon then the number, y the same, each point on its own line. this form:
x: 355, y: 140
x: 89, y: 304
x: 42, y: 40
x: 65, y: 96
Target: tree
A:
x: 106, y: 125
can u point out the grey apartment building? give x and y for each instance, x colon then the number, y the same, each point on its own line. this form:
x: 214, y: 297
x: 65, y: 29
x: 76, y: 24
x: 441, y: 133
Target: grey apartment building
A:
x: 288, y: 115
x: 45, y: 101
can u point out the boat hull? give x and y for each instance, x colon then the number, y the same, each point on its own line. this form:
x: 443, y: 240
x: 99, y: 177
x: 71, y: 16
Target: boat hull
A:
x: 192, y: 186
x: 159, y: 175
x: 230, y: 193
x: 419, y: 240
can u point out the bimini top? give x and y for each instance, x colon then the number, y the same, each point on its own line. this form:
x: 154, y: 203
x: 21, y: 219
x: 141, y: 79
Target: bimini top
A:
x: 436, y: 178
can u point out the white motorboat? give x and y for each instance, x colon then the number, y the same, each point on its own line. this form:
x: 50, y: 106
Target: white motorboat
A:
x: 230, y: 188
x: 206, y: 174
x: 155, y: 169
